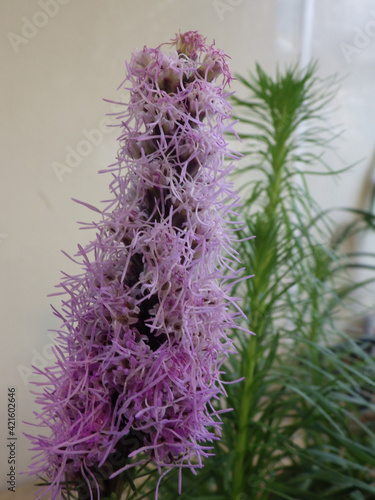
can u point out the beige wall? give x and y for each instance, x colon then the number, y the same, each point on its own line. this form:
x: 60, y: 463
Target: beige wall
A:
x: 60, y: 60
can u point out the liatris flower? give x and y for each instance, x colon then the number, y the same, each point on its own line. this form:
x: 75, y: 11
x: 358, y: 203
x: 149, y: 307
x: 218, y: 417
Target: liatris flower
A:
x: 145, y: 325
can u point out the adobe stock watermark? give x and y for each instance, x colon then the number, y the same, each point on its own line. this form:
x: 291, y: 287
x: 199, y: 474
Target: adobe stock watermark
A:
x: 40, y: 359
x: 361, y: 40
x: 92, y: 138
x: 163, y: 4
x: 224, y: 6
x: 31, y: 27
x: 3, y: 237
x: 74, y: 156
x: 258, y: 482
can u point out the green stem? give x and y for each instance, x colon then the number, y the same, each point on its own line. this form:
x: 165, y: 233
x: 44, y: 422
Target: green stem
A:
x: 261, y: 290
x: 241, y: 444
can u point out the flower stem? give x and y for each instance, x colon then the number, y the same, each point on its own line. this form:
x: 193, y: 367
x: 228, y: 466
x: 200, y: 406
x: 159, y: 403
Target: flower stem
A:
x: 261, y: 292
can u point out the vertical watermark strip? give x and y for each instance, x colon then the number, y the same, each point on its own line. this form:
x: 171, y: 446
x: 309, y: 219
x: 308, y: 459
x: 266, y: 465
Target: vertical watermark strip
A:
x: 11, y: 439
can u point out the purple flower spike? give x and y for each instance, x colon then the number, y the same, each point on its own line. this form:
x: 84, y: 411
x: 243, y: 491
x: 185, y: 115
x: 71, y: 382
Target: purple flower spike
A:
x: 145, y: 325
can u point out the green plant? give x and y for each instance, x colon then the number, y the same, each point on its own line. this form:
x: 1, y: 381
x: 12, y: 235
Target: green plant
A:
x: 297, y: 430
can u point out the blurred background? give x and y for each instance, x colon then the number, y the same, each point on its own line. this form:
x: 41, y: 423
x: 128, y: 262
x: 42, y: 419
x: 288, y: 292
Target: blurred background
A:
x: 60, y: 58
